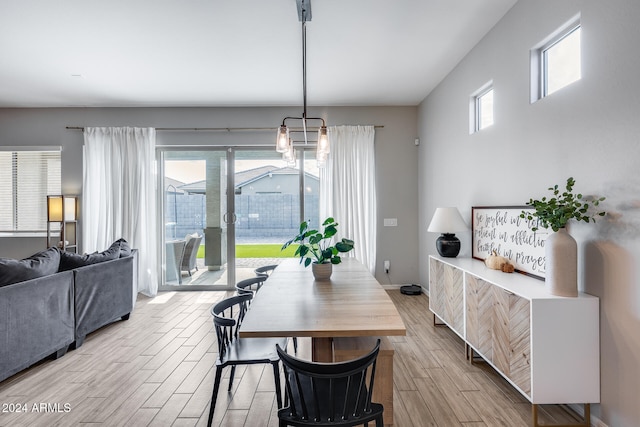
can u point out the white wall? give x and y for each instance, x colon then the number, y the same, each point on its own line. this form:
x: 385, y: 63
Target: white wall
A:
x: 396, y: 157
x: 589, y: 130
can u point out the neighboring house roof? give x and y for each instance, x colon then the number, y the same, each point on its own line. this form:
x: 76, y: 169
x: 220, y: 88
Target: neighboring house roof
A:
x: 173, y: 185
x: 197, y: 187
x: 245, y: 177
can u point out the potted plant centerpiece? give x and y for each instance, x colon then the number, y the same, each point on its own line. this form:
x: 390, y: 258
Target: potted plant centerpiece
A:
x: 561, y: 250
x: 314, y: 247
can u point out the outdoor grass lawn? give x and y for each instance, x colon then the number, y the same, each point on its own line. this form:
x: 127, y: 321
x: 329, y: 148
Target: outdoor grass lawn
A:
x: 257, y: 250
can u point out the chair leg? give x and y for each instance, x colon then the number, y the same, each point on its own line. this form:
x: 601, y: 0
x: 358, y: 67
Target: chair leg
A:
x: 276, y: 376
x: 233, y: 374
x: 214, y: 395
x: 295, y: 345
x: 379, y: 421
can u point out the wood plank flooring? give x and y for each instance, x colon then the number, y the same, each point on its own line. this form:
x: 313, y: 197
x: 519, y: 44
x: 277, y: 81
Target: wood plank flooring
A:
x: 156, y: 369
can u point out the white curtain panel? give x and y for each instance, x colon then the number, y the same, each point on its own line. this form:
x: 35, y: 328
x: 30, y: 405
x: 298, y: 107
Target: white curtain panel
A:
x: 348, y: 188
x: 119, y: 197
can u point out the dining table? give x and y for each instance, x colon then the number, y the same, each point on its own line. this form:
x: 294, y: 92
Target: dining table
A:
x: 350, y: 304
x: 343, y: 316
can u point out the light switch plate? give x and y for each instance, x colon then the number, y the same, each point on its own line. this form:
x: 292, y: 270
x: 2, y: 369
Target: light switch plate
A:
x: 391, y: 222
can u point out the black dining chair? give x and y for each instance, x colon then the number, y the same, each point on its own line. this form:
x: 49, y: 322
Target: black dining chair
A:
x: 233, y: 350
x: 329, y: 394
x: 265, y: 270
x: 250, y: 285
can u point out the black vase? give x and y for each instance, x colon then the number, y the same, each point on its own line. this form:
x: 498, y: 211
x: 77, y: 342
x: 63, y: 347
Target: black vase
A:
x: 448, y: 245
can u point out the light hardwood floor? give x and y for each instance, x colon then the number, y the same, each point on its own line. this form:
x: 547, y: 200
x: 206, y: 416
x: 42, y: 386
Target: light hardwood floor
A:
x: 157, y: 369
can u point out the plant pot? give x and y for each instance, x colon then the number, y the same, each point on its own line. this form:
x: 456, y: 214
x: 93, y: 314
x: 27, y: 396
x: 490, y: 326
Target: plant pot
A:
x: 561, y: 253
x: 322, y: 271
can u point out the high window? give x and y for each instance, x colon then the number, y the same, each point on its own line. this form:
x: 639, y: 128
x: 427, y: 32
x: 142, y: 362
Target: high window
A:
x: 481, y: 108
x: 556, y: 62
x: 26, y: 178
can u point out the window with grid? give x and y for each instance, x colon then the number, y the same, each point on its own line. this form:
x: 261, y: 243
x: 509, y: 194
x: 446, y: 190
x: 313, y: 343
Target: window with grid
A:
x: 26, y: 178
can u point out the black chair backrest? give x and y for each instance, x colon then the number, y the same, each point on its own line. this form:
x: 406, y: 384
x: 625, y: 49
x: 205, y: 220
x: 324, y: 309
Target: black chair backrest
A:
x: 250, y: 286
x: 227, y: 318
x: 329, y: 392
x: 265, y: 270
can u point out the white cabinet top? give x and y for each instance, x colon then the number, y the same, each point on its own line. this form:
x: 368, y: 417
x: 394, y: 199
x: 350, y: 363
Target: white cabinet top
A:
x: 517, y: 283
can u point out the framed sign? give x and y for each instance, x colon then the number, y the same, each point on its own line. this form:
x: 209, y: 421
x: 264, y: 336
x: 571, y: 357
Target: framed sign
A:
x: 500, y: 229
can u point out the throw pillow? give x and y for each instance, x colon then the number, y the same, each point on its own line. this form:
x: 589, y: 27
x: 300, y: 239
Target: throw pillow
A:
x: 37, y: 265
x: 125, y: 248
x: 69, y: 260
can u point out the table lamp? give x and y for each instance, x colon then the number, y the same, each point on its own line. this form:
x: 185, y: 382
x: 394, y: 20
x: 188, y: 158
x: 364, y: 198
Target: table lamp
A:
x: 447, y: 221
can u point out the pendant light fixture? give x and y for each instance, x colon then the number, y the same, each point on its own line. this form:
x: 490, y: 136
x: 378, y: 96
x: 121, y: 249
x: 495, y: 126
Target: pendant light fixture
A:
x: 284, y: 141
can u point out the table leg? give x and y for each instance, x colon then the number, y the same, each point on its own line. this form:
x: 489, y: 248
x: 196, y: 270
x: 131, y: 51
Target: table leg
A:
x: 322, y: 350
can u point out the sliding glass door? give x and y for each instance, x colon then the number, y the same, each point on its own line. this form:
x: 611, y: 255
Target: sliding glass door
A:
x: 194, y: 208
x: 212, y: 237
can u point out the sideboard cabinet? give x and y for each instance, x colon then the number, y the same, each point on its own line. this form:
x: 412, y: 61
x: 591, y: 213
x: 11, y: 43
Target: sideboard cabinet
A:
x: 546, y: 346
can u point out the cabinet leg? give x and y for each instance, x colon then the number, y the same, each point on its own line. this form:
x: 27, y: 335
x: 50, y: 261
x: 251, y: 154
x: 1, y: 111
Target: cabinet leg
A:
x: 585, y: 422
x: 435, y: 322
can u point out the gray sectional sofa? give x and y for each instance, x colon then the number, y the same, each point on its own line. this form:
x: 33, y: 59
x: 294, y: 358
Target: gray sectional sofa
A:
x: 44, y: 316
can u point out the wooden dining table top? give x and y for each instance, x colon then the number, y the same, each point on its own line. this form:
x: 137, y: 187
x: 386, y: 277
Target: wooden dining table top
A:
x: 292, y: 304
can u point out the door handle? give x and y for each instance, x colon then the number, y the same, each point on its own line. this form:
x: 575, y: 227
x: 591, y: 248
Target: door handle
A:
x: 226, y: 216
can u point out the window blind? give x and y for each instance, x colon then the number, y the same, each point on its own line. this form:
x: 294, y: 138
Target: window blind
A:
x: 26, y: 178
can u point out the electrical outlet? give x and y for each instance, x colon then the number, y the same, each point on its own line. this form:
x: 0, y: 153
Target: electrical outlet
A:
x: 387, y: 264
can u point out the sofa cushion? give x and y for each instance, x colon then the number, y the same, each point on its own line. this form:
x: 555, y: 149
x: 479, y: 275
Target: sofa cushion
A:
x: 37, y: 265
x: 70, y: 260
x: 125, y: 248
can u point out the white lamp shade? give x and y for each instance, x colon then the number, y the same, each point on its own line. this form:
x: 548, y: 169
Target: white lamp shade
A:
x: 447, y: 220
x: 69, y: 208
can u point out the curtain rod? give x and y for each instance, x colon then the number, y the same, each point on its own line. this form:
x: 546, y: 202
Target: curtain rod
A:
x: 226, y: 129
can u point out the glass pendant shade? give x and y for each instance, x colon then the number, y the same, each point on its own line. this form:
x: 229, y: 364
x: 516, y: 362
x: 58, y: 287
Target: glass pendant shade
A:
x: 323, y: 140
x: 290, y: 155
x: 321, y: 159
x: 282, y: 139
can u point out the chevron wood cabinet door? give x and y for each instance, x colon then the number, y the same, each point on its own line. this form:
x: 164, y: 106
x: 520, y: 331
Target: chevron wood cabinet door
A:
x: 454, y: 298
x: 498, y: 328
x: 436, y: 288
x: 446, y: 294
x: 479, y: 315
x: 520, y: 342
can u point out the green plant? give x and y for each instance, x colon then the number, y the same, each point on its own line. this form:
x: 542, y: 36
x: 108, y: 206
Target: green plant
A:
x: 314, y: 246
x: 556, y: 211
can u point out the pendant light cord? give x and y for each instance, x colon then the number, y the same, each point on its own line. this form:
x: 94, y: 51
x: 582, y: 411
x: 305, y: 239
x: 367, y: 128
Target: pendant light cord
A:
x: 304, y: 73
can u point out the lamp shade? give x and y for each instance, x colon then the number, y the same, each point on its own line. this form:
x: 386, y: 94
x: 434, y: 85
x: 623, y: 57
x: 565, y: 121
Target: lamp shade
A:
x: 447, y: 220
x: 55, y: 209
x: 70, y: 208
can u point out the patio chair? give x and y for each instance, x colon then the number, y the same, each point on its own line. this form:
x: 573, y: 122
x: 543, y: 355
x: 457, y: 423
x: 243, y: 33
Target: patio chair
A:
x: 174, y: 253
x: 189, y: 254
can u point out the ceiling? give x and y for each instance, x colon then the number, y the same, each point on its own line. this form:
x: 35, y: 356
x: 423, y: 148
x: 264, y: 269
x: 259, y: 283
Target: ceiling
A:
x: 220, y: 53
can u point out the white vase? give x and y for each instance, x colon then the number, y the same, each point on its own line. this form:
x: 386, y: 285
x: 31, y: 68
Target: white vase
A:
x: 561, y: 253
x: 322, y: 271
